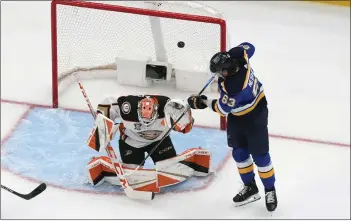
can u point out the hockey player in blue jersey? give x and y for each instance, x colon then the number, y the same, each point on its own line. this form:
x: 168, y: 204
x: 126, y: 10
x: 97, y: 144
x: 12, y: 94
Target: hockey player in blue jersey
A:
x: 243, y: 102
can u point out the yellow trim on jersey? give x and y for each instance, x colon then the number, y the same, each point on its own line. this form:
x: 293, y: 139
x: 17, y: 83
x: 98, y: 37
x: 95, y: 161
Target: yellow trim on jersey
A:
x: 240, y: 113
x: 217, y: 109
x: 246, y: 169
x: 247, y: 72
x: 266, y: 175
x: 223, y: 87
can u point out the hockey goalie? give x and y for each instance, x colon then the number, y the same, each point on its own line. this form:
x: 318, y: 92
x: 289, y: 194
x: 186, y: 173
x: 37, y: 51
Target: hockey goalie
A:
x: 142, y: 124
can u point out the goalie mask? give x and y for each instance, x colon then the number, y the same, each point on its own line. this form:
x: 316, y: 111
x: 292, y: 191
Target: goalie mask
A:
x: 147, y: 110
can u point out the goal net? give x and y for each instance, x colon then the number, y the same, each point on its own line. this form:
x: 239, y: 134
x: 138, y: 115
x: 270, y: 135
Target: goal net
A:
x: 91, y: 39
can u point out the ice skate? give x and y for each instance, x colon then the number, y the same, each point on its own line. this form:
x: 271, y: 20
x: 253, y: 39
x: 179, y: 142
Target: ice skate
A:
x: 271, y: 200
x: 248, y: 194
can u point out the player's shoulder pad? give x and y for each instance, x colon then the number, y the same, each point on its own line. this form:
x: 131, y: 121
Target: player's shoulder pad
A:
x: 161, y: 99
x: 250, y: 48
x: 131, y: 100
x: 234, y: 84
x: 121, y: 99
x: 238, y: 51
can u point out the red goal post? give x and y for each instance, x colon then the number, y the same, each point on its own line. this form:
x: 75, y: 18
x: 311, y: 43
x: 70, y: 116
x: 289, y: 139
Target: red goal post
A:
x: 60, y: 70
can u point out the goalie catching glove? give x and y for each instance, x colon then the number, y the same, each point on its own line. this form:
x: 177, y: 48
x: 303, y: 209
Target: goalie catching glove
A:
x: 173, y: 110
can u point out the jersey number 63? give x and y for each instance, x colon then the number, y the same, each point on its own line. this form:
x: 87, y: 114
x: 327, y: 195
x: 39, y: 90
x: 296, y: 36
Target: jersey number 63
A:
x: 230, y: 102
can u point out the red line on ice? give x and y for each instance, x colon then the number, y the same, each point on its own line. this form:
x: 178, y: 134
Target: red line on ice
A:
x: 284, y: 137
x: 32, y: 105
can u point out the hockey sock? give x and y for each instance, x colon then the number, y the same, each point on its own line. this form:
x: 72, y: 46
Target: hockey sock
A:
x: 265, y: 170
x: 245, y: 164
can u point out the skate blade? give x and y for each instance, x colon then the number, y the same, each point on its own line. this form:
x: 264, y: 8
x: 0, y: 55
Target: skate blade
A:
x: 253, y: 198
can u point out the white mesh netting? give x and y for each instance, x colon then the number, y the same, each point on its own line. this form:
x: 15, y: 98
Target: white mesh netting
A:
x: 88, y: 40
x: 89, y: 37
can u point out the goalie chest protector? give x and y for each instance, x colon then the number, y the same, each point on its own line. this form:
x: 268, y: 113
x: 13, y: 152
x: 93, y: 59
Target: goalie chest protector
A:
x: 129, y: 106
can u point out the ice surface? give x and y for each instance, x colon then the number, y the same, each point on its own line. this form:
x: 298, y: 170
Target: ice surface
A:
x: 50, y: 145
x: 302, y: 57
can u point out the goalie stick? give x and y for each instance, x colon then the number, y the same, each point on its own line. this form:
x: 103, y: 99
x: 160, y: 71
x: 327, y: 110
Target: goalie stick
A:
x: 169, y: 130
x: 129, y: 191
x: 30, y: 195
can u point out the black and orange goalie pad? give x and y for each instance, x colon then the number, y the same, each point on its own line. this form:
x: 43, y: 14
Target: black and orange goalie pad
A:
x: 192, y: 162
x: 100, y: 169
x: 102, y: 133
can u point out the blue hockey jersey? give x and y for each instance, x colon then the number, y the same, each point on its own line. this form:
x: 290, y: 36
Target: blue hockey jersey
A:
x: 242, y: 92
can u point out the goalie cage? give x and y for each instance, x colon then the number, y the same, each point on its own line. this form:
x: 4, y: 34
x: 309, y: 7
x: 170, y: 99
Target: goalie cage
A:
x: 90, y: 36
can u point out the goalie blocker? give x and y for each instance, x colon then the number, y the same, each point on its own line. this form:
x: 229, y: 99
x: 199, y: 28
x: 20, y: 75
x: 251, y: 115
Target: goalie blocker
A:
x: 145, y: 119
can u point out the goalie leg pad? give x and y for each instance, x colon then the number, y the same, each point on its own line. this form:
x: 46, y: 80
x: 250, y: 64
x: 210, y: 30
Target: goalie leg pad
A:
x: 100, y: 169
x: 192, y: 162
x: 142, y: 179
x: 200, y: 161
x: 173, y: 174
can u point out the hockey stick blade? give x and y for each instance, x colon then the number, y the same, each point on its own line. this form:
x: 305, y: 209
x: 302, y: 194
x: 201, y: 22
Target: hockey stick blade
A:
x: 30, y: 195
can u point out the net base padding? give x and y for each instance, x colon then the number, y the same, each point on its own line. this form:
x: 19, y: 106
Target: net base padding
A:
x: 109, y: 73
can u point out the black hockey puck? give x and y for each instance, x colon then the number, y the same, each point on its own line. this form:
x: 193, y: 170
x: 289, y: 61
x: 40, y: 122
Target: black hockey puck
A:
x: 181, y: 44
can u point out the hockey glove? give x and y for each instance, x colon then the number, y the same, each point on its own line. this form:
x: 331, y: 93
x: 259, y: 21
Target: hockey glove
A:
x: 188, y: 127
x: 174, y: 109
x: 197, y: 101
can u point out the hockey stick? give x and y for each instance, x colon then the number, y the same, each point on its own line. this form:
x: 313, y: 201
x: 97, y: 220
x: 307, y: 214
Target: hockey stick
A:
x: 30, y: 195
x: 169, y: 130
x: 129, y: 191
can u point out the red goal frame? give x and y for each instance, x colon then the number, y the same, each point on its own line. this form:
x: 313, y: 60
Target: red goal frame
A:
x: 131, y: 10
